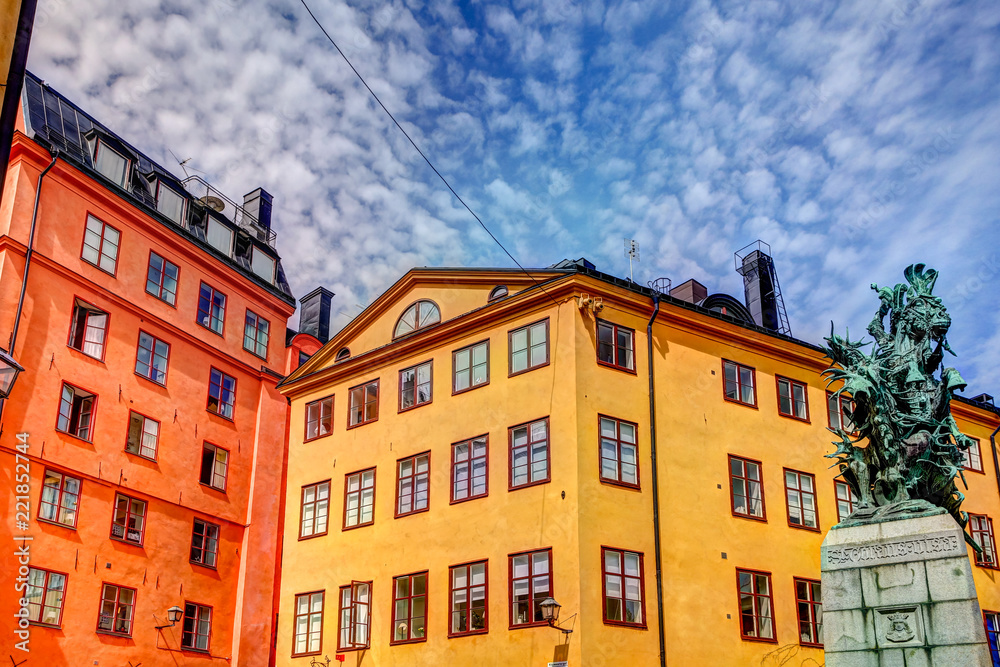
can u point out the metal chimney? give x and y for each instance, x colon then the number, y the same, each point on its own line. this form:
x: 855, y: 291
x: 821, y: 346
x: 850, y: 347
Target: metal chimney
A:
x: 258, y: 204
x: 314, y: 313
x: 761, y: 288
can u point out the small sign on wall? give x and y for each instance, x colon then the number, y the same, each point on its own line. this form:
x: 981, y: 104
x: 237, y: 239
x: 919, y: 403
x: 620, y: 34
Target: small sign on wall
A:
x: 561, y: 663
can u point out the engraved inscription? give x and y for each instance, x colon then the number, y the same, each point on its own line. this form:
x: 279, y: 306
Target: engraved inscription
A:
x: 873, y: 553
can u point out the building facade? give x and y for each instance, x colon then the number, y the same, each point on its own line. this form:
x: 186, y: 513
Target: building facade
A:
x: 479, y: 440
x: 151, y: 327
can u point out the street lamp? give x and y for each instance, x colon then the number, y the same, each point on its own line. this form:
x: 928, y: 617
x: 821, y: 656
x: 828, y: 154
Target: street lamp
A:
x: 550, y: 613
x: 173, y: 615
x: 8, y: 373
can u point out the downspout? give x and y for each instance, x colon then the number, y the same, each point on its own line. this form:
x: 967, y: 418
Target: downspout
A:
x: 656, y: 485
x: 993, y: 446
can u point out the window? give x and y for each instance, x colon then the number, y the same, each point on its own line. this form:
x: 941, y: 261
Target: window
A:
x: 619, y: 452
x: 847, y: 500
x: 161, y: 279
x: 419, y: 315
x: 60, y: 497
x: 838, y: 410
x: 319, y: 418
x: 197, y: 629
x: 498, y: 292
x: 413, y: 478
x: 262, y: 264
x: 409, y: 608
x: 315, y: 509
x: 747, y: 490
x: 129, y: 519
x: 991, y: 620
x: 972, y: 457
x: 76, y: 412
x: 100, y: 245
x: 468, y: 599
x: 110, y: 163
x: 205, y: 543
x: 211, y: 308
x: 343, y: 353
x: 739, y: 383
x: 529, y: 347
x: 355, y: 604
x: 219, y: 236
x: 809, y: 605
x: 415, y: 386
x: 529, y: 453
x: 792, y: 400
x: 89, y: 329
x: 143, y: 435
x: 308, y: 624
x: 623, y: 586
x: 530, y: 583
x: 981, y: 529
x: 255, y: 334
x: 44, y: 592
x: 363, y: 404
x: 117, y: 606
x: 615, y: 346
x: 756, y: 608
x: 151, y: 358
x: 470, y: 469
x: 800, y: 494
x: 359, y: 498
x: 221, y: 393
x: 214, y: 466
x: 471, y: 367
x: 169, y: 203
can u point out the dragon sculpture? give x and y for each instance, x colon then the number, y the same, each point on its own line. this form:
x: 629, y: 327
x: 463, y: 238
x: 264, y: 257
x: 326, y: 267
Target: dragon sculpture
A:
x: 914, y: 449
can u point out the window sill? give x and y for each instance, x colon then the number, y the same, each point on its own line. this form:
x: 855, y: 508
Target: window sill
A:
x: 110, y: 633
x: 978, y: 472
x: 616, y: 367
x: 138, y: 455
x: 214, y: 568
x: 222, y: 335
x: 809, y: 645
x: 264, y: 358
x: 162, y: 300
x: 529, y: 484
x: 403, y: 642
x: 412, y: 512
x: 75, y: 437
x: 318, y: 437
x: 306, y: 655
x: 534, y: 624
x: 360, y: 525
x: 150, y: 380
x: 124, y: 541
x: 804, y: 420
x: 456, y: 392
x: 511, y: 374
x: 353, y: 648
x: 760, y: 519
x: 313, y: 536
x: 401, y: 410
x: 350, y: 426
x: 465, y: 500
x: 470, y: 633
x: 620, y: 485
x: 623, y: 624
x: 55, y: 523
x: 220, y: 416
x: 101, y: 268
x: 99, y: 359
x: 39, y: 624
x: 738, y: 402
x: 810, y: 529
x: 760, y: 640
x: 214, y: 488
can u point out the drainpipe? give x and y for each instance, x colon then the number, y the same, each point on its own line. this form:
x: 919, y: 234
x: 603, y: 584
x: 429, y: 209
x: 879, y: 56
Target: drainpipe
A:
x: 993, y: 446
x: 656, y: 485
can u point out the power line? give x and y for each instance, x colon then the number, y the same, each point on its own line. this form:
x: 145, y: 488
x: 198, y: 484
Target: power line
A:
x: 417, y: 148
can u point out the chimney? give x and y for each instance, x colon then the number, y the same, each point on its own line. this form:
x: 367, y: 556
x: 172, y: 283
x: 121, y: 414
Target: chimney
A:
x: 761, y: 289
x: 692, y: 291
x: 258, y: 204
x: 314, y: 313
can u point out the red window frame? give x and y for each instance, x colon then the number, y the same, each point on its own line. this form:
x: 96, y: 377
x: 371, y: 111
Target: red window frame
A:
x: 738, y: 384
x: 848, y: 499
x: 253, y: 332
x: 534, y: 582
x: 310, y: 616
x: 352, y: 614
x: 77, y: 339
x: 127, y: 632
x: 623, y: 586
x: 140, y: 445
x: 201, y: 555
x: 514, y: 449
x: 747, y: 482
x: 367, y: 395
x: 64, y: 501
x: 210, y: 299
x: 43, y: 599
x: 835, y: 415
x: 754, y: 595
x: 360, y: 474
x: 75, y: 414
x: 415, y: 386
x: 798, y: 492
x: 192, y: 618
x: 100, y: 250
x: 464, y: 473
x: 406, y: 601
x: 408, y: 486
x: 981, y: 530
x: 217, y: 391
x: 161, y: 287
x: 151, y: 372
x: 607, y: 443
x: 129, y: 519
x: 616, y: 349
x: 528, y: 328
x: 455, y: 370
x: 991, y: 621
x: 317, y: 489
x: 809, y: 608
x: 213, y: 473
x: 418, y: 321
x: 319, y: 416
x: 969, y: 459
x: 793, y: 402
x: 469, y: 588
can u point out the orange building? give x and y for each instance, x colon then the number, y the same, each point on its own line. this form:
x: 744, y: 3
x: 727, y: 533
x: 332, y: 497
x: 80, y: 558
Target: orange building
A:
x: 150, y: 315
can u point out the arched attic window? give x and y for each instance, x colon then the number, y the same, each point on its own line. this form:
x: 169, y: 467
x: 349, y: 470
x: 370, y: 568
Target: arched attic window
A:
x: 421, y: 314
x: 343, y: 353
x: 499, y: 292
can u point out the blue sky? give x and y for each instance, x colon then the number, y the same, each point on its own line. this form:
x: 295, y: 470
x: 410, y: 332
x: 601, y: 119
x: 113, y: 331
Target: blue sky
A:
x: 855, y: 137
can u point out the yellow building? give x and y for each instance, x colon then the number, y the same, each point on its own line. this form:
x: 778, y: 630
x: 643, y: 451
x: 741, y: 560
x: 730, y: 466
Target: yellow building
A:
x: 478, y: 440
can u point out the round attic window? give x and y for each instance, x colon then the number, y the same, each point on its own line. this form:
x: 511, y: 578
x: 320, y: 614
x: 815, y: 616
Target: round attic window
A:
x: 499, y: 292
x: 421, y: 314
x: 342, y: 354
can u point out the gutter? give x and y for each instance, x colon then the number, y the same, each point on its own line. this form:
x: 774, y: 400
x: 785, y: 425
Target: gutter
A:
x: 656, y: 484
x: 993, y: 446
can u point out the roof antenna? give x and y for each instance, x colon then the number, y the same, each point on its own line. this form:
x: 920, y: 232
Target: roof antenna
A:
x: 632, y: 251
x: 181, y: 164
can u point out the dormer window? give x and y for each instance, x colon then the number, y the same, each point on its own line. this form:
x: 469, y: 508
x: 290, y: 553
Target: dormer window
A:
x: 499, y: 292
x: 169, y: 203
x: 110, y: 163
x: 262, y: 264
x: 419, y: 315
x: 220, y: 237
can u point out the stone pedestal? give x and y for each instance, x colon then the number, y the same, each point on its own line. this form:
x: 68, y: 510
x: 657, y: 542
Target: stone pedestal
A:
x: 900, y: 593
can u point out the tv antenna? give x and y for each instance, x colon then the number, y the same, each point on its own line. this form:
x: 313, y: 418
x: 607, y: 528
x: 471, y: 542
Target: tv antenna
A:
x: 181, y: 163
x: 632, y: 251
